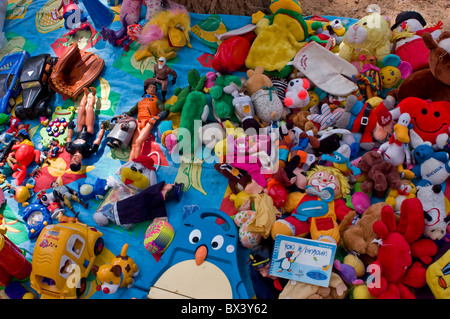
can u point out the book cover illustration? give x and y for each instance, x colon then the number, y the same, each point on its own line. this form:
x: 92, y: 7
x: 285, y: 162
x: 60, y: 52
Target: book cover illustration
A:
x: 301, y: 259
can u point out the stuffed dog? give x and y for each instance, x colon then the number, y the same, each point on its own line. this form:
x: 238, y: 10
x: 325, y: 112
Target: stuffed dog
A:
x: 118, y: 274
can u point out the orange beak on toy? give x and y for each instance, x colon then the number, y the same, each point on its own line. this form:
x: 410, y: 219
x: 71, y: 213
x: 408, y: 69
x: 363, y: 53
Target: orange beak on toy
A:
x: 200, y: 254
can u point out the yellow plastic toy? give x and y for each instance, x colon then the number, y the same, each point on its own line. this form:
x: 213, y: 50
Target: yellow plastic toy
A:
x: 22, y: 193
x: 63, y: 257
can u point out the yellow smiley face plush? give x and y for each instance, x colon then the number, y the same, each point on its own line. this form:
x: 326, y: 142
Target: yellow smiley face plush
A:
x: 394, y: 71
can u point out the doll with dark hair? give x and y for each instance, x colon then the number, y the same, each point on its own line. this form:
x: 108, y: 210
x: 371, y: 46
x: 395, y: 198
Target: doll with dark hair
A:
x: 264, y: 285
x: 82, y: 146
x: 149, y: 111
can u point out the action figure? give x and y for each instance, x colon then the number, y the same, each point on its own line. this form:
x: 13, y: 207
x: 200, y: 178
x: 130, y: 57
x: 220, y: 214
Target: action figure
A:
x: 82, y: 147
x: 65, y: 195
x: 161, y: 76
x: 149, y: 110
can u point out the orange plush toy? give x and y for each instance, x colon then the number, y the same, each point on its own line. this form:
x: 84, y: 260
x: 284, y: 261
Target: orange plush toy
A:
x: 395, y: 271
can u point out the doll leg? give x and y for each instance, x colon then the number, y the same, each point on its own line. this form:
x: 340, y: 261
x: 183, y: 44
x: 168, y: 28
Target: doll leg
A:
x: 138, y: 140
x: 81, y: 116
x: 90, y: 112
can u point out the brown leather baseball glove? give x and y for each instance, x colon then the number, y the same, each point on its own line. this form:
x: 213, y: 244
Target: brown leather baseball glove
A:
x: 75, y: 70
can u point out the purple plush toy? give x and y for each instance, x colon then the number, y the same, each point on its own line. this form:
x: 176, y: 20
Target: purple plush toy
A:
x: 347, y: 273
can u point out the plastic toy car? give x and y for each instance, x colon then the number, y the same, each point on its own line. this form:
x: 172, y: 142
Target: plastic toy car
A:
x: 10, y: 69
x: 36, y: 92
x: 63, y: 257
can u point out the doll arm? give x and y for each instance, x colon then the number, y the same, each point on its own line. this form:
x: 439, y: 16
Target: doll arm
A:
x: 99, y: 138
x: 133, y: 111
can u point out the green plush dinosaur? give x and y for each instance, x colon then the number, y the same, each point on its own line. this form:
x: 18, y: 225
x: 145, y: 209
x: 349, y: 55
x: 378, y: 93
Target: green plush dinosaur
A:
x: 192, y: 103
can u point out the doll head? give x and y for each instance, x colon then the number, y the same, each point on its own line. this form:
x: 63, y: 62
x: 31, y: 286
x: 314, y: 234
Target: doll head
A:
x: 323, y: 176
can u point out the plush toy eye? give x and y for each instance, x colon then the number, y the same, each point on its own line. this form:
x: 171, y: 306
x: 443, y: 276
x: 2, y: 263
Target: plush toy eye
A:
x: 424, y: 111
x: 437, y: 114
x: 332, y: 178
x: 320, y: 174
x: 133, y: 168
x: 217, y: 242
x: 392, y: 73
x: 141, y: 170
x: 194, y: 236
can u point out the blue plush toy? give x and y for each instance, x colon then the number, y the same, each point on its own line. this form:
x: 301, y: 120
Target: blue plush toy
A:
x: 431, y: 166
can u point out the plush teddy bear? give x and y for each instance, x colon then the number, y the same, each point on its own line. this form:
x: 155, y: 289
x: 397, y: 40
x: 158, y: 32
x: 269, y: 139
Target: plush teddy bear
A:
x: 432, y: 83
x: 337, y: 289
x: 395, y: 272
x: 379, y: 174
x: 358, y: 237
x: 370, y: 35
x: 268, y: 106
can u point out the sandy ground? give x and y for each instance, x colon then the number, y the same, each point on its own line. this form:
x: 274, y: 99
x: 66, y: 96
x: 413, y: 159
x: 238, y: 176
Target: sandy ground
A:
x: 432, y: 10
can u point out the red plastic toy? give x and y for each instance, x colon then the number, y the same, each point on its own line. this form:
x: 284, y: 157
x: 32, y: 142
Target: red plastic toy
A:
x: 13, y: 263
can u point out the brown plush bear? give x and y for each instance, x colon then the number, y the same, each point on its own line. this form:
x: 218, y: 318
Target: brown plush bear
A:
x: 268, y: 106
x: 336, y: 289
x: 358, y: 237
x: 300, y: 120
x: 432, y: 83
x: 379, y: 174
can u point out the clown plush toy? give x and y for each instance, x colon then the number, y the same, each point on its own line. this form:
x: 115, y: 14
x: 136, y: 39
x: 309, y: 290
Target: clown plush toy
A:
x: 316, y: 211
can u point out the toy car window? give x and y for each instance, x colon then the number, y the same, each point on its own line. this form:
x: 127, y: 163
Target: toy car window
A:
x: 31, y: 84
x: 75, y: 245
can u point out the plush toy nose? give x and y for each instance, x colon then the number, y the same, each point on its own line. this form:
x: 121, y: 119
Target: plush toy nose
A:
x: 355, y: 27
x: 106, y: 290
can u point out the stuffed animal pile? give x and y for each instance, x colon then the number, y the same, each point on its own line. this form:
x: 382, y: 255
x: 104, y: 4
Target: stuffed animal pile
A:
x: 358, y: 126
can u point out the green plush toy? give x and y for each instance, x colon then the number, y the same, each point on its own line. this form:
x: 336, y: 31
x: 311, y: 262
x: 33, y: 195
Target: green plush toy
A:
x: 221, y: 98
x: 192, y: 103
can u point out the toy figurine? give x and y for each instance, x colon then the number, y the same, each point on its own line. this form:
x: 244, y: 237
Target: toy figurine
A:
x: 74, y: 18
x: 149, y: 110
x: 122, y: 128
x: 65, y: 195
x: 264, y: 285
x: 21, y: 156
x: 81, y: 147
x: 146, y: 205
x: 162, y: 71
x: 119, y: 273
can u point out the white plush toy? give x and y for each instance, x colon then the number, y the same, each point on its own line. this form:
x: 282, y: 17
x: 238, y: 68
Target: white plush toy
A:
x: 433, y: 202
x: 297, y: 95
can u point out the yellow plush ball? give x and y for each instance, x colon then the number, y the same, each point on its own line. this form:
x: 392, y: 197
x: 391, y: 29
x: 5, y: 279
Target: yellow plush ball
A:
x: 362, y: 292
x: 356, y: 263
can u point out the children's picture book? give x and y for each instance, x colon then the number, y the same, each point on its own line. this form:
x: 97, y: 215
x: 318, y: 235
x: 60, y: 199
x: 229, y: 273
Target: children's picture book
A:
x: 301, y: 259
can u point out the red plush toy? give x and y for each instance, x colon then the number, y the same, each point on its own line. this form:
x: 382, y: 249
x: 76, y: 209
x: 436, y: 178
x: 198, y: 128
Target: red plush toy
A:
x: 395, y: 271
x: 429, y: 119
x: 232, y: 52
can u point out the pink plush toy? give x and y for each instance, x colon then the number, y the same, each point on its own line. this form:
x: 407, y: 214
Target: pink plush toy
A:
x: 131, y: 9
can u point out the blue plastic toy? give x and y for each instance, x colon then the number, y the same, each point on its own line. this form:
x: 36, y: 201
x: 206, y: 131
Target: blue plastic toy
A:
x: 201, y: 261
x: 88, y: 191
x: 36, y: 217
x: 99, y: 13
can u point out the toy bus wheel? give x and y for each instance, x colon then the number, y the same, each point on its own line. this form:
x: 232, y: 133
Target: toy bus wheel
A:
x: 21, y: 112
x: 98, y: 247
x: 82, y: 288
